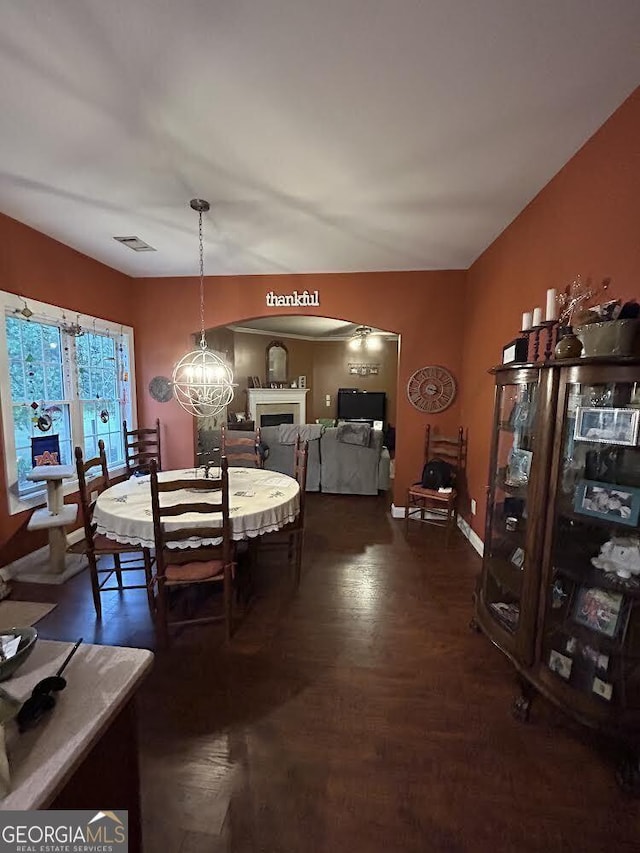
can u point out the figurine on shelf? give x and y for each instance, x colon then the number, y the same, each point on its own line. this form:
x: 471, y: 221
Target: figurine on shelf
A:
x: 621, y: 554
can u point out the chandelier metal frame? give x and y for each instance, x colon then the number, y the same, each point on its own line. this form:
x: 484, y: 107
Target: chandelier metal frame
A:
x: 202, y: 382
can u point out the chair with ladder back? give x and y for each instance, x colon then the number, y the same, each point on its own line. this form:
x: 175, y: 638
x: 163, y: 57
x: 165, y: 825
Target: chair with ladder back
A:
x: 93, y: 479
x: 140, y: 447
x: 438, y: 506
x: 209, y: 563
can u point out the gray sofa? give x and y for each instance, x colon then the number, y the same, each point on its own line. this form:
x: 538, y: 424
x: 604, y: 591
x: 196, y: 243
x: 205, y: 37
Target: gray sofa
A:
x: 348, y: 469
x: 334, y: 466
x: 280, y: 457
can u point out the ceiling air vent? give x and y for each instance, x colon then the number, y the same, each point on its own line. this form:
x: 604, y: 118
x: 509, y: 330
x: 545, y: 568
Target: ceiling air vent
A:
x: 135, y: 243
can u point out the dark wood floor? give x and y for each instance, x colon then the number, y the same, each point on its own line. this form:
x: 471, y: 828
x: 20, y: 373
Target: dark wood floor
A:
x: 361, y: 714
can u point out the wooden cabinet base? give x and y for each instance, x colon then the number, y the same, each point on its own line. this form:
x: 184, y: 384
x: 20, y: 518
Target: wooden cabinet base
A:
x: 108, y: 778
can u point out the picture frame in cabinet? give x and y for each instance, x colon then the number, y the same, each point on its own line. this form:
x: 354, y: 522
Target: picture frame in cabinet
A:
x: 591, y: 656
x: 601, y: 688
x: 599, y: 610
x: 517, y: 558
x: 608, y: 502
x: 560, y: 664
x: 607, y: 425
x: 518, y: 467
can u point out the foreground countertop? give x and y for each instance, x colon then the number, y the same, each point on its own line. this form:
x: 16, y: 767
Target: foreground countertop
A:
x: 100, y: 681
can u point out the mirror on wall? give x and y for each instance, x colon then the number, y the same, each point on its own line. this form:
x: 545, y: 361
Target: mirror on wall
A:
x: 277, y: 362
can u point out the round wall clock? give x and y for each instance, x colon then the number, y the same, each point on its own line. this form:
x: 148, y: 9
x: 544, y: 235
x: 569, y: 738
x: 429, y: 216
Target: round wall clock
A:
x: 431, y: 389
x: 160, y: 389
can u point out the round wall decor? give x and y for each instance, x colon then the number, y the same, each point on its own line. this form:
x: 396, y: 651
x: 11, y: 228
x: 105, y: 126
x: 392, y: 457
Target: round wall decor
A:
x: 431, y: 389
x: 160, y: 389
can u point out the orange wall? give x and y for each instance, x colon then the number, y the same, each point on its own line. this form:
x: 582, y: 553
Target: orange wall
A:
x: 424, y: 307
x: 587, y: 221
x: 38, y: 267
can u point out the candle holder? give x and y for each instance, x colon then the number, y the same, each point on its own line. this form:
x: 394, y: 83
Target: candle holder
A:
x: 548, y: 325
x: 535, y: 331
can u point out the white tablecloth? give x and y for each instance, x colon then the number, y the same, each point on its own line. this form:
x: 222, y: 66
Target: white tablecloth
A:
x: 259, y: 501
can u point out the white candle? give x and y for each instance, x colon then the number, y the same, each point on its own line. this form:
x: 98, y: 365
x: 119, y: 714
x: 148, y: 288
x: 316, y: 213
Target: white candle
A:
x: 526, y: 321
x: 537, y: 316
x: 551, y: 304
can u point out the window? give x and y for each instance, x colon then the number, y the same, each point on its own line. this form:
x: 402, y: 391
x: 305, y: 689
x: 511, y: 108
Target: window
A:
x: 75, y: 386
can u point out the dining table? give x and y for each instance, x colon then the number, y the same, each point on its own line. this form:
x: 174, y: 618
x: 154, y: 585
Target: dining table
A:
x: 260, y: 502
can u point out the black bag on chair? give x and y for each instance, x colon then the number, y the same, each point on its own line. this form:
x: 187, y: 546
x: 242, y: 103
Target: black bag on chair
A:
x: 437, y: 474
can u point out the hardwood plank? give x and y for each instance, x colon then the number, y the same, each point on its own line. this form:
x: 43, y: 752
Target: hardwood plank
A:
x: 359, y: 714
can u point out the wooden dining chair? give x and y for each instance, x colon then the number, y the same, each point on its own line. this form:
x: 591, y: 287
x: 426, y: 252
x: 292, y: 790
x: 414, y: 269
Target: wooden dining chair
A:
x: 206, y: 564
x: 93, y: 479
x: 430, y: 505
x: 241, y: 448
x: 294, y: 530
x: 140, y: 447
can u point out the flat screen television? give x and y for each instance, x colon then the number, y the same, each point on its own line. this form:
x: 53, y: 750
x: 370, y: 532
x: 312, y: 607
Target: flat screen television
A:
x: 356, y: 405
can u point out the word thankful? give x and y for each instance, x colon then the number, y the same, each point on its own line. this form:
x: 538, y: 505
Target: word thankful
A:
x: 295, y: 299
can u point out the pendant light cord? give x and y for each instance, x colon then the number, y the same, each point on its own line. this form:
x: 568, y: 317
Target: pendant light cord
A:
x: 203, y: 342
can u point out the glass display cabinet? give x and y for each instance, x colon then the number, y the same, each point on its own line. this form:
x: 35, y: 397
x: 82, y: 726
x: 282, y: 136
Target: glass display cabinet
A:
x: 559, y: 591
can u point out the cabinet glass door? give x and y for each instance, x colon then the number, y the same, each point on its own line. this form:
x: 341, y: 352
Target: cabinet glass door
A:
x: 505, y: 541
x: 591, y: 638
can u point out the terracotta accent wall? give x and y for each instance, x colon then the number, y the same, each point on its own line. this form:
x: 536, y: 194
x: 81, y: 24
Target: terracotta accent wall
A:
x: 423, y: 307
x: 331, y: 371
x: 250, y: 360
x: 38, y: 267
x: 586, y: 220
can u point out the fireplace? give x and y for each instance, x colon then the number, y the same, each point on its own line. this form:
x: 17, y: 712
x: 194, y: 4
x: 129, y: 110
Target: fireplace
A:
x: 277, y: 401
x: 276, y: 420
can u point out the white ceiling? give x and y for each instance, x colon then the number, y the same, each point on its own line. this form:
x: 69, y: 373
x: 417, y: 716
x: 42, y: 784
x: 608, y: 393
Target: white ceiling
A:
x: 328, y: 134
x: 309, y: 327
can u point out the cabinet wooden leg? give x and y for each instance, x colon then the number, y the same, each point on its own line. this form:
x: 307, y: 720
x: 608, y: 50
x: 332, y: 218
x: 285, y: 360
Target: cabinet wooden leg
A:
x: 521, y: 707
x: 628, y: 773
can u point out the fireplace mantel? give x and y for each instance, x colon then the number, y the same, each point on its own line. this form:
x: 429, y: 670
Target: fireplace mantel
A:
x: 292, y: 399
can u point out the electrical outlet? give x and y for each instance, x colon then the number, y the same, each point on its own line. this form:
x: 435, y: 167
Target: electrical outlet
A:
x: 474, y: 507
x: 327, y: 400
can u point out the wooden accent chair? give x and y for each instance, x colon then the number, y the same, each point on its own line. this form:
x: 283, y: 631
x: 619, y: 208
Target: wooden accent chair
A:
x: 294, y: 531
x: 208, y: 564
x: 241, y: 447
x: 440, y: 507
x: 93, y: 479
x: 140, y: 447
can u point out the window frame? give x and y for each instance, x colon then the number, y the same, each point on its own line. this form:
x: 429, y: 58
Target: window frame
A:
x: 11, y: 304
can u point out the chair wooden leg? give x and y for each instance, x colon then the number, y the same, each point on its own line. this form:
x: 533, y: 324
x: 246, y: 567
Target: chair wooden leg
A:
x: 291, y: 547
x: 116, y: 563
x: 162, y: 616
x: 228, y: 604
x: 298, y: 558
x: 148, y: 576
x: 406, y: 515
x: 95, y: 583
x: 450, y: 522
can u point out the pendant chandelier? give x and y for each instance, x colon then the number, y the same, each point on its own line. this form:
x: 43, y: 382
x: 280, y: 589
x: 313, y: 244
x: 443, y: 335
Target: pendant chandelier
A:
x: 364, y: 339
x: 202, y: 383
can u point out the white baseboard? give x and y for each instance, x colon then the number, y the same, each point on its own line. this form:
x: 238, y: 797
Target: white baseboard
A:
x: 471, y: 535
x: 32, y: 568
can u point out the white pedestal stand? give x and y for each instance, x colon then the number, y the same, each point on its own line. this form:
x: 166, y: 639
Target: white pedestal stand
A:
x: 53, y: 567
